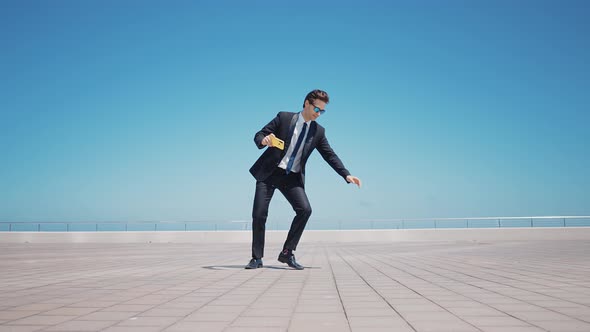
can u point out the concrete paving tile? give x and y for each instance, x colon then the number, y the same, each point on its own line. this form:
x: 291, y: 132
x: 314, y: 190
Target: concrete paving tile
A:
x: 408, y: 308
x: 365, y: 305
x: 315, y: 308
x: 198, y: 326
x: 153, y: 300
x: 383, y: 321
x: 462, y: 312
x: 317, y: 316
x: 314, y: 321
x: 382, y: 329
x: 370, y: 312
x: 93, y: 304
x: 457, y: 304
x: 443, y: 326
x: 41, y: 320
x: 269, y: 304
x: 579, y: 311
x: 149, y: 321
x: 428, y: 316
x: 16, y: 314
x: 498, y: 300
x: 176, y: 312
x: 554, y: 304
x: 38, y: 306
x: 182, y: 305
x: 269, y: 321
x: 511, y: 329
x: 516, y: 307
x: 268, y: 312
x: 69, y: 311
x: 21, y: 328
x: 132, y: 329
x: 319, y: 326
x: 538, y: 315
x: 319, y: 302
x: 568, y: 325
x: 64, y: 300
x: 128, y: 307
x: 255, y: 329
x: 108, y: 315
x: 416, y: 301
x: 212, y: 316
x: 494, y: 321
x: 81, y: 326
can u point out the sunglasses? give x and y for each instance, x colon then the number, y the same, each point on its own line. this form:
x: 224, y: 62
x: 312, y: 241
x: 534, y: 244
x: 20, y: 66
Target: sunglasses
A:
x: 318, y: 110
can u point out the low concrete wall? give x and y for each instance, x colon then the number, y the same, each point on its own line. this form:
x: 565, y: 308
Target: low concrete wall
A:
x: 480, y: 235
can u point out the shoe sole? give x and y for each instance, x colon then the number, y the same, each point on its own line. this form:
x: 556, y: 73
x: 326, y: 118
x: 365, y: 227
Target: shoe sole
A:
x: 252, y: 268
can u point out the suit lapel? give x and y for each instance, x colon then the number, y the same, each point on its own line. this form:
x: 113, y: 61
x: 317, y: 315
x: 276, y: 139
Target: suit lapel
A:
x: 291, y: 130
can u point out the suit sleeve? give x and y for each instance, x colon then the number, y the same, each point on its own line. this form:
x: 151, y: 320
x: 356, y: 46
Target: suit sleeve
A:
x: 270, y: 128
x: 330, y: 156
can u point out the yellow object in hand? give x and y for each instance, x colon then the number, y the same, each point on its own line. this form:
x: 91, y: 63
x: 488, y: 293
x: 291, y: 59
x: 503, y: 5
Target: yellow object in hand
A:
x: 277, y: 143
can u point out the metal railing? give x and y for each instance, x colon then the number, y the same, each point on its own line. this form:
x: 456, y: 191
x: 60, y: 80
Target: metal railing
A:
x: 121, y: 226
x: 484, y: 222
x: 331, y: 224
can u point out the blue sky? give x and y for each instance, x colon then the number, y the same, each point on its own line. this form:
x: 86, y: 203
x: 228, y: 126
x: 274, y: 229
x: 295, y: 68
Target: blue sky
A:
x: 146, y: 110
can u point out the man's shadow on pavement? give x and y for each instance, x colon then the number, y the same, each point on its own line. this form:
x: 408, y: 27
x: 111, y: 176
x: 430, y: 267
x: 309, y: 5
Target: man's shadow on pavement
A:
x: 233, y: 267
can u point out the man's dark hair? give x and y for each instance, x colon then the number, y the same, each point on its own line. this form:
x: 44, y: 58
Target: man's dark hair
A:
x: 317, y: 94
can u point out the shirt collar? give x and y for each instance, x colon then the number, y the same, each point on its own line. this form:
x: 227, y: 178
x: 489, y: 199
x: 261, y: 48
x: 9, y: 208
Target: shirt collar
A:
x: 301, y: 119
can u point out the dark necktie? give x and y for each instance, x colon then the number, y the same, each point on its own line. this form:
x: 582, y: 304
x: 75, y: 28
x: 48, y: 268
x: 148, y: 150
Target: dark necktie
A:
x: 299, y: 141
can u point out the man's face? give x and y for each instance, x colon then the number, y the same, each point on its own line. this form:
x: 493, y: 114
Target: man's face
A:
x: 309, y: 108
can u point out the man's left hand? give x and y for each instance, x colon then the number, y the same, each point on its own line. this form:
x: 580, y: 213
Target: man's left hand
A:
x: 354, y: 179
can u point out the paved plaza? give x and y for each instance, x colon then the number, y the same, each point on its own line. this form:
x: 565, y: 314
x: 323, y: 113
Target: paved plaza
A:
x: 457, y: 286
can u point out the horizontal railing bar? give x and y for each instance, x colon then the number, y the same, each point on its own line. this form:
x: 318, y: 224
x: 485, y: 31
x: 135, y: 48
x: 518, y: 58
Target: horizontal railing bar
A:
x: 243, y: 221
x: 480, y: 218
x: 247, y: 221
x: 110, y: 222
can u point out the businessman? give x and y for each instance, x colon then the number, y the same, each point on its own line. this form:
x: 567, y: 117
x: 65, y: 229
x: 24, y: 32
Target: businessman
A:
x: 284, y: 169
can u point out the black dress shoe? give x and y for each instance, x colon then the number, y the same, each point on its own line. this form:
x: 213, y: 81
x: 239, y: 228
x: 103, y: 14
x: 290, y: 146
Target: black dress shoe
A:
x: 290, y: 260
x: 254, y: 263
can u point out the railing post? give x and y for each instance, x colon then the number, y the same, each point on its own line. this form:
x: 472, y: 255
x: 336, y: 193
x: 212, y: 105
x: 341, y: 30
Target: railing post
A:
x: 467, y: 223
x: 10, y: 227
x: 563, y: 222
x: 38, y: 227
x: 67, y: 227
x: 403, y: 225
x: 155, y: 227
x: 531, y: 222
x: 185, y: 227
x: 499, y: 224
x: 97, y: 227
x: 125, y: 227
x: 434, y: 223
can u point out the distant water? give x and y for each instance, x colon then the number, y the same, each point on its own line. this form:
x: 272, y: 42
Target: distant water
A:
x: 284, y: 225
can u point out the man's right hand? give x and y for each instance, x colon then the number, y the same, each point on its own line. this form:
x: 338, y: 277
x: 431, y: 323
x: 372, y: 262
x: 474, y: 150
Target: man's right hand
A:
x: 268, y: 141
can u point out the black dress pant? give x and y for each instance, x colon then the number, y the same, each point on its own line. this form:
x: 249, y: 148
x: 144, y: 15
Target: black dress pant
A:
x: 291, y: 187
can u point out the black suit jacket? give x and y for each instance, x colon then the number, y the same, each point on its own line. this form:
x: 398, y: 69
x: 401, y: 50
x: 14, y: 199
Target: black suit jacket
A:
x: 283, y: 126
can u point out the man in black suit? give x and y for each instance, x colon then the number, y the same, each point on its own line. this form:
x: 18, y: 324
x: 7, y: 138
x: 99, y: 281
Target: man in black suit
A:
x: 285, y: 170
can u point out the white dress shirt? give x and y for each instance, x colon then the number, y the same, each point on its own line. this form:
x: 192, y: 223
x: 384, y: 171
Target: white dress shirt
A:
x: 297, y: 163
